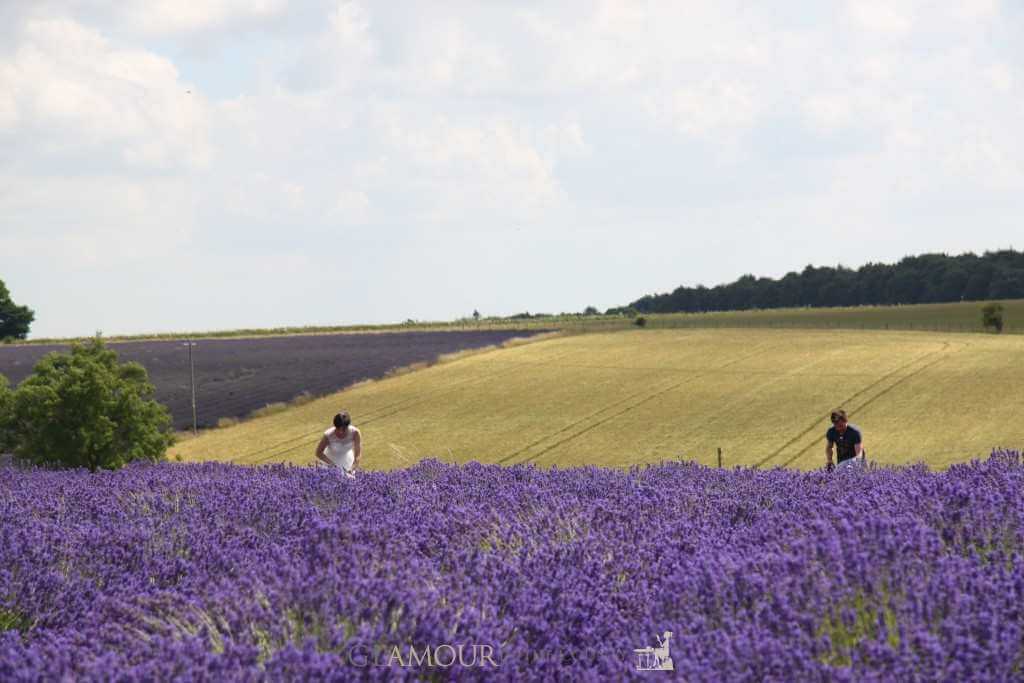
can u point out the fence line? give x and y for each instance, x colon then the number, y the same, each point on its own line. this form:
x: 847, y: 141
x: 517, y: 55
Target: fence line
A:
x: 657, y: 322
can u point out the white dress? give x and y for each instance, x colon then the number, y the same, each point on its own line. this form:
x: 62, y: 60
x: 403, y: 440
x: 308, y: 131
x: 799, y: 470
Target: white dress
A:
x: 341, y: 449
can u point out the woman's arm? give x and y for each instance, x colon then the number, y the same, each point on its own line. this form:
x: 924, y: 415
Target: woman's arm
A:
x: 320, y: 451
x: 357, y: 443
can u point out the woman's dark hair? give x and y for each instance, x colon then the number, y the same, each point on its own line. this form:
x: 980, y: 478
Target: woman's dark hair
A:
x: 342, y: 420
x: 837, y: 415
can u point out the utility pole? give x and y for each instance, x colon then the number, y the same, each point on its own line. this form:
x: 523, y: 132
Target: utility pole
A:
x: 192, y: 374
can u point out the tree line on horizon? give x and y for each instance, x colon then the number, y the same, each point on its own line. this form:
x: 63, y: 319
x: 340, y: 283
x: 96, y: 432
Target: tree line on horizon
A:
x: 928, y: 278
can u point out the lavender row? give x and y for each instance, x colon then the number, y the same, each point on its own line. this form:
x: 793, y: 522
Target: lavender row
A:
x: 221, y: 572
x: 236, y: 376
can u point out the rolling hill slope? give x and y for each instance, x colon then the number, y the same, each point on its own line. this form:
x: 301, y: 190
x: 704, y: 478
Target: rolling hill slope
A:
x: 637, y: 396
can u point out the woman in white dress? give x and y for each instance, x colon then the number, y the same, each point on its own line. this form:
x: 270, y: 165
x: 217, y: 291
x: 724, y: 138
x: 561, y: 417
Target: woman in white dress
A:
x: 341, y: 445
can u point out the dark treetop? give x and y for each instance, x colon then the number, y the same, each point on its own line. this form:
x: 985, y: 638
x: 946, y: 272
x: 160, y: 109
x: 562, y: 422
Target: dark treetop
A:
x: 930, y: 278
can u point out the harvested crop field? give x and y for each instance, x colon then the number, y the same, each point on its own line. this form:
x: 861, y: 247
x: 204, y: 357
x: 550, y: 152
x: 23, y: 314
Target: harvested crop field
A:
x: 622, y: 398
x: 236, y: 376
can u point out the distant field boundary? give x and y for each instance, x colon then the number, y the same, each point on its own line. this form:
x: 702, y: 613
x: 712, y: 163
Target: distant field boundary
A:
x: 950, y: 317
x: 511, y: 325
x: 830, y: 324
x: 962, y: 316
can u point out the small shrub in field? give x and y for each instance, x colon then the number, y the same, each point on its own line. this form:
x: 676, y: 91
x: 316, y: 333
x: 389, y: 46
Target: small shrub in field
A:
x: 269, y: 409
x: 465, y: 353
x: 640, y: 321
x: 361, y: 384
x: 303, y: 398
x: 523, y: 341
x: 406, y: 369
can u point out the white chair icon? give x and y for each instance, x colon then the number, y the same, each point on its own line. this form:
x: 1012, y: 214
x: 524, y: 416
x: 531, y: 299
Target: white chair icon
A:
x: 655, y: 658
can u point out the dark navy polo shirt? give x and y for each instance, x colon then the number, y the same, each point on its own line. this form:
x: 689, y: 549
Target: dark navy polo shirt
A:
x: 844, y: 442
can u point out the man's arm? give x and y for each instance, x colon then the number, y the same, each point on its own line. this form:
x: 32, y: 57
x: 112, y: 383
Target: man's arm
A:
x: 320, y: 451
x: 357, y: 442
x: 828, y: 455
x: 858, y: 444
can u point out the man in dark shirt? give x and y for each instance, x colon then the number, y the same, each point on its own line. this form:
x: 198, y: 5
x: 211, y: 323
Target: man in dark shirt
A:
x: 847, y: 441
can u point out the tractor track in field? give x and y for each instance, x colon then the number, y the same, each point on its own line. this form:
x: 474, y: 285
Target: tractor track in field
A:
x: 636, y: 368
x: 647, y: 396
x: 405, y: 402
x: 310, y: 439
x: 880, y: 394
x: 295, y: 442
x: 816, y: 425
x: 723, y: 412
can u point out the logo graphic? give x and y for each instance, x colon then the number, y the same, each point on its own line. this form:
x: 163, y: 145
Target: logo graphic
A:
x: 655, y: 658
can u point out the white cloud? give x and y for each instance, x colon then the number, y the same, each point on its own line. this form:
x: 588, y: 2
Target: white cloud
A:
x: 8, y: 97
x: 69, y: 223
x: 883, y: 16
x: 972, y: 10
x: 710, y: 108
x: 445, y: 54
x: 448, y: 136
x: 339, y: 56
x: 493, y: 165
x: 75, y: 92
x: 182, y: 16
x: 261, y: 196
x: 564, y: 140
x: 618, y: 45
x: 1001, y: 77
x: 351, y: 207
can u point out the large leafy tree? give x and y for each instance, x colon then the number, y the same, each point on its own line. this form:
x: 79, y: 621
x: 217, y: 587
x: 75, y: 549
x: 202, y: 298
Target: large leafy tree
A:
x: 84, y: 409
x: 14, y: 320
x: 6, y: 403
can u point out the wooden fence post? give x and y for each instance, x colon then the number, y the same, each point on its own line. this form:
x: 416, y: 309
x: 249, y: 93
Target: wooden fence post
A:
x: 719, y: 458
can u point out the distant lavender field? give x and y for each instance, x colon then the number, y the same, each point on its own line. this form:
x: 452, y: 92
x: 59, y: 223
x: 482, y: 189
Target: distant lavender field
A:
x: 236, y: 376
x: 220, y: 572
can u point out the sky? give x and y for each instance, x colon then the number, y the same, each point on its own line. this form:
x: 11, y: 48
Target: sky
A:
x: 186, y: 166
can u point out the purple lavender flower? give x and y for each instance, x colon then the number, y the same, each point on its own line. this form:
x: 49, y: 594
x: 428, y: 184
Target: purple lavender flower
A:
x: 222, y: 572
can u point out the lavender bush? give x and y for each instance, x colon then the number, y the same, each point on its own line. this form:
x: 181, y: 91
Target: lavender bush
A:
x: 219, y: 572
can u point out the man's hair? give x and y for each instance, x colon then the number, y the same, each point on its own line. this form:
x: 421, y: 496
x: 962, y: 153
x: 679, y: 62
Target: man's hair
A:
x: 342, y: 420
x: 838, y: 414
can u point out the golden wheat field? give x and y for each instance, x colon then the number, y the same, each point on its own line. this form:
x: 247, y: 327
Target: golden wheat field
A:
x: 621, y: 398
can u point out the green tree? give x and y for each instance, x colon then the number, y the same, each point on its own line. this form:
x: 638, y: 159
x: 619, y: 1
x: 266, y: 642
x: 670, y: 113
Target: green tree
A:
x: 915, y: 279
x: 84, y: 409
x: 992, y: 316
x: 591, y: 310
x: 14, y: 320
x: 6, y: 405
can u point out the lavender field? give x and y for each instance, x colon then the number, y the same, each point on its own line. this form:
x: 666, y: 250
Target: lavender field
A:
x: 221, y: 572
x: 236, y: 376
